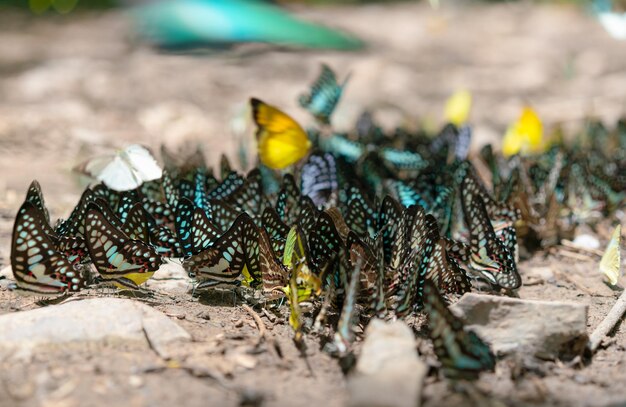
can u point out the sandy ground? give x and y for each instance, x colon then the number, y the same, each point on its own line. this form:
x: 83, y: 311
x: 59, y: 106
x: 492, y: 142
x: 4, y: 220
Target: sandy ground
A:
x: 71, y: 87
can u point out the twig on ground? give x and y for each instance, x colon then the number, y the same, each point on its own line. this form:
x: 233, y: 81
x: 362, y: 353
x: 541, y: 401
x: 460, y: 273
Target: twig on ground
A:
x: 571, y: 245
x: 608, y: 323
x: 257, y: 320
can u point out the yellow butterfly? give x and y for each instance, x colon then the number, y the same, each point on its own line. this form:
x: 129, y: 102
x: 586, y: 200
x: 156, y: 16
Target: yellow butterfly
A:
x: 525, y: 135
x: 281, y: 140
x: 458, y: 107
x: 610, y: 263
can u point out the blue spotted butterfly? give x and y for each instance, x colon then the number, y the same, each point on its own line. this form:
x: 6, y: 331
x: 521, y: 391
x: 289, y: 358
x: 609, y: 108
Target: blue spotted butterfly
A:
x: 324, y: 96
x: 39, y: 269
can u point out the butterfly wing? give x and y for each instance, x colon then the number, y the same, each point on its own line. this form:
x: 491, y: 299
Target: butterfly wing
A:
x: 127, y: 263
x: 281, y: 140
x: 142, y: 162
x: 38, y: 268
x: 610, y: 262
x: 463, y: 355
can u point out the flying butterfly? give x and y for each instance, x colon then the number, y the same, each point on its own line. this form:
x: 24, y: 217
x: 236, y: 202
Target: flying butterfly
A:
x: 281, y: 140
x: 38, y: 268
x: 324, y: 96
x: 463, y: 354
x: 125, y: 170
x: 125, y: 262
x: 610, y: 262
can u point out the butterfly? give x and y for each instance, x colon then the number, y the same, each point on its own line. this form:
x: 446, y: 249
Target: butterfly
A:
x: 319, y: 179
x: 295, y: 259
x: 463, y: 354
x: 345, y: 328
x: 222, y: 214
x: 276, y: 229
x: 35, y: 197
x: 324, y: 242
x: 230, y: 184
x: 361, y: 213
x: 74, y: 225
x: 274, y: 273
x: 610, y: 262
x: 288, y: 200
x: 488, y: 254
x: 249, y: 196
x: 127, y: 263
x: 281, y: 140
x: 232, y: 258
x: 324, y: 95
x: 307, y: 216
x: 184, y: 224
x: 165, y: 241
x: 403, y: 159
x: 225, y: 167
x: 446, y: 273
x: 372, y: 274
x: 423, y: 235
x: 38, y: 268
x: 390, y: 224
x: 125, y: 170
x: 342, y: 146
x: 73, y: 247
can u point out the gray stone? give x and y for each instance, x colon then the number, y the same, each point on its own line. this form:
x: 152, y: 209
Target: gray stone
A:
x: 389, y: 372
x: 170, y: 277
x: 109, y: 321
x: 542, y: 329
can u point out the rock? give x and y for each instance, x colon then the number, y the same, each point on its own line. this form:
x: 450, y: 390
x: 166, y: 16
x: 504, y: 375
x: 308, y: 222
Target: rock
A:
x: 105, y: 320
x: 389, y: 372
x: 170, y: 277
x: 541, y: 329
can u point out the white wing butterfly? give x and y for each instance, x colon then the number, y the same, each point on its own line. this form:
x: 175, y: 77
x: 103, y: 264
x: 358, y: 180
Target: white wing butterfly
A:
x: 125, y: 170
x: 610, y: 263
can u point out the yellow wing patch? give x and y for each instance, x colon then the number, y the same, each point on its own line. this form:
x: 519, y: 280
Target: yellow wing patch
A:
x: 525, y: 135
x: 610, y: 263
x: 458, y: 107
x: 281, y: 140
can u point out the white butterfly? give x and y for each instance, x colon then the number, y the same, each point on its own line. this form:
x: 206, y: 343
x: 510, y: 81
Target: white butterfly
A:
x: 125, y: 170
x: 614, y: 23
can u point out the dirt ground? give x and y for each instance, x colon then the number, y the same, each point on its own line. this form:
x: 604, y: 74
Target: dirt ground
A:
x: 75, y: 86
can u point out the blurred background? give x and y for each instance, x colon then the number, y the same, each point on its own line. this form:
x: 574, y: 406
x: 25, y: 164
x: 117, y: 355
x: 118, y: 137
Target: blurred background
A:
x: 82, y: 77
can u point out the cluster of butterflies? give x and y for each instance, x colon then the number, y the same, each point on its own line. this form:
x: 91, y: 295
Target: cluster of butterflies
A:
x: 370, y: 223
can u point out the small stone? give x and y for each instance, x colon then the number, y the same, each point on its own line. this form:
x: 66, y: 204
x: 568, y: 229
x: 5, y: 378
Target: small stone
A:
x: 388, y: 372
x: 541, y: 329
x: 204, y: 315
